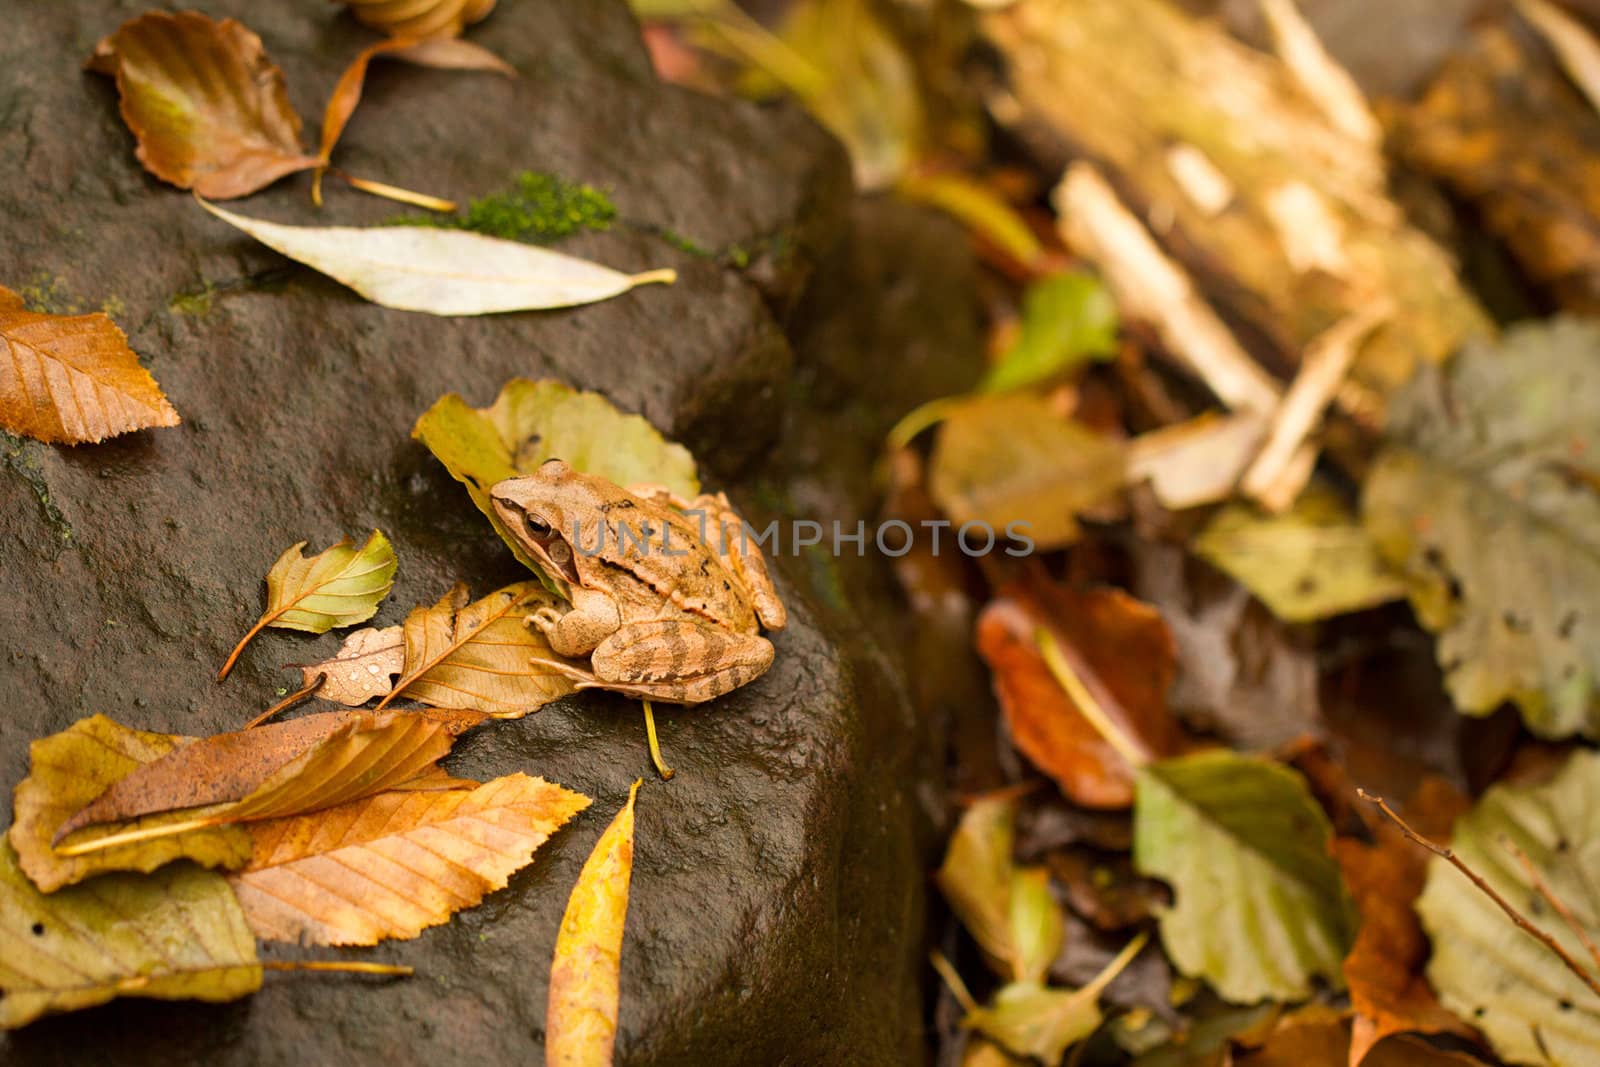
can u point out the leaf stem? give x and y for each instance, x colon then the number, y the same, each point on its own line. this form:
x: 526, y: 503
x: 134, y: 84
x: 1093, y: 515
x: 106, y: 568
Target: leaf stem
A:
x: 663, y: 275
x: 233, y: 657
x: 341, y: 966
x: 952, y: 978
x: 655, y: 747
x: 1119, y: 964
x: 394, y: 192
x: 287, y: 702
x: 1488, y: 890
x: 1088, y: 706
x: 1542, y: 887
x: 128, y: 837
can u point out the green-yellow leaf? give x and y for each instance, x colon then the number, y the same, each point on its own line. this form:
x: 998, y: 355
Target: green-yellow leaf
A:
x: 1312, y: 562
x: 1037, y: 924
x: 581, y: 1020
x: 69, y: 770
x: 339, y: 586
x: 532, y: 421
x: 1486, y: 498
x: 1486, y: 970
x: 1259, y: 906
x: 176, y: 934
x: 976, y: 874
x: 443, y: 272
x: 1067, y: 319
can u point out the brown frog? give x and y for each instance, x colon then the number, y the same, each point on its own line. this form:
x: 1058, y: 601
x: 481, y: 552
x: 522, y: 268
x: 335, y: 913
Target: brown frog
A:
x: 667, y: 606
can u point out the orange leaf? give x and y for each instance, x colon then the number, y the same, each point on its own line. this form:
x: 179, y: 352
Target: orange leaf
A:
x: 581, y: 1020
x: 208, y: 108
x: 72, y: 378
x: 1318, y: 1036
x: 1121, y: 651
x: 394, y: 864
x: 420, y: 18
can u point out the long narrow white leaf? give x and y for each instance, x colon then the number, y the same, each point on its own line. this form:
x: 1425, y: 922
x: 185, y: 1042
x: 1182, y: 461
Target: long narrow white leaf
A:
x: 442, y: 272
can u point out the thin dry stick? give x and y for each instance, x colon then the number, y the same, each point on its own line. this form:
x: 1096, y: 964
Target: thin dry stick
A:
x: 288, y: 702
x: 1542, y: 887
x: 952, y: 978
x: 655, y: 747
x: 342, y: 966
x: 1487, y: 890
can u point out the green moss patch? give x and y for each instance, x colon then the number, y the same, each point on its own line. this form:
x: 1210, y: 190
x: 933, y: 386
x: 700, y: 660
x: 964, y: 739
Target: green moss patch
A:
x: 539, y: 209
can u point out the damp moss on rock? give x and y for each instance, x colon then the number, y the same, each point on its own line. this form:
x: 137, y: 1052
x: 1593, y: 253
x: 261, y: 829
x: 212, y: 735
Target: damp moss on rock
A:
x: 538, y: 209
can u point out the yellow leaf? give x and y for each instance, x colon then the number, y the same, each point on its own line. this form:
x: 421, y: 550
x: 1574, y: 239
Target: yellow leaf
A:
x: 364, y: 667
x: 581, y: 1021
x: 72, y: 378
x: 393, y: 864
x: 68, y: 771
x: 339, y: 586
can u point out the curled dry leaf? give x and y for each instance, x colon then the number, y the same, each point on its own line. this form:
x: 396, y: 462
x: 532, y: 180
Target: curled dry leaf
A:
x: 339, y: 586
x: 363, y: 668
x: 443, y: 272
x: 393, y: 864
x: 420, y: 18
x: 72, y: 378
x: 69, y: 770
x: 532, y: 421
x: 479, y: 656
x: 208, y: 107
x: 176, y: 934
x: 1318, y: 1036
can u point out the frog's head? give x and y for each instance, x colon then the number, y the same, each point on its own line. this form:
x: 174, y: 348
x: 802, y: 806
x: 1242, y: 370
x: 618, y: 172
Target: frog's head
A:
x: 539, y: 511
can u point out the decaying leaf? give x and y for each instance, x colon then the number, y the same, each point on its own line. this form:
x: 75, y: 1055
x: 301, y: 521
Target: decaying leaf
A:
x: 1319, y: 1036
x: 532, y: 421
x: 976, y: 874
x: 1532, y: 1008
x: 1487, y: 501
x: 1067, y: 319
x: 479, y: 656
x: 177, y: 934
x: 391, y: 865
x: 364, y: 667
x: 1311, y: 563
x: 420, y: 18
x: 208, y: 107
x: 443, y: 272
x: 69, y: 770
x: 1011, y: 463
x: 339, y: 586
x: 1117, y: 647
x: 1259, y: 908
x: 580, y: 1023
x: 305, y: 764
x: 72, y: 378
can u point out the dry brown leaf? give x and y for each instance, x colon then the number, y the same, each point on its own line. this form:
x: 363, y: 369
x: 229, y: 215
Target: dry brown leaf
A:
x: 1121, y: 651
x: 580, y: 1023
x: 70, y: 769
x: 393, y: 864
x: 479, y: 656
x: 364, y: 667
x: 208, y: 107
x: 420, y: 18
x: 72, y: 378
x: 1319, y: 1036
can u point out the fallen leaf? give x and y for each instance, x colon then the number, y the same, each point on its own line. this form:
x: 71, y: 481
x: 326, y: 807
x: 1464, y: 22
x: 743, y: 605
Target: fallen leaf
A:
x: 1318, y: 1036
x: 986, y: 214
x: 975, y: 876
x: 1008, y: 463
x: 1388, y: 992
x: 532, y: 421
x: 305, y: 764
x: 177, y: 934
x: 70, y: 769
x: 208, y: 108
x: 580, y: 1024
x: 420, y: 18
x: 1037, y: 924
x: 363, y: 668
x: 1206, y: 1040
x: 1117, y: 647
x: 72, y: 378
x: 339, y: 586
x: 394, y: 864
x: 1532, y: 1008
x: 1067, y: 319
x: 1259, y: 908
x: 1313, y: 562
x: 1104, y: 888
x: 1146, y: 985
x: 1481, y: 498
x: 443, y: 272
x: 479, y: 656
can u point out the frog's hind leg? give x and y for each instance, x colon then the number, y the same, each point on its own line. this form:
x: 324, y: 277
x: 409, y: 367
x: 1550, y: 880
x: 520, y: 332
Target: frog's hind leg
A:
x: 678, y: 662
x: 725, y: 532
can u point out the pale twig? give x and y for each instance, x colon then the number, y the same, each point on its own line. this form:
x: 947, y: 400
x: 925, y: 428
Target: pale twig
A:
x: 1542, y: 887
x: 398, y: 970
x: 655, y: 746
x: 287, y: 702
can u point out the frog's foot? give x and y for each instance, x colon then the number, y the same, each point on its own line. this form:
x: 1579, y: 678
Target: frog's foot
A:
x: 543, y: 619
x: 678, y: 662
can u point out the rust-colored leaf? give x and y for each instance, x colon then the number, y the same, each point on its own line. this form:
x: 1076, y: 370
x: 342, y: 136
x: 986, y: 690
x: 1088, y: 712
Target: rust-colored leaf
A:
x: 1319, y: 1036
x: 420, y: 18
x: 72, y: 378
x: 305, y: 764
x: 208, y: 108
x: 363, y: 668
x: 581, y: 1020
x: 1388, y: 990
x: 393, y: 864
x: 1121, y: 651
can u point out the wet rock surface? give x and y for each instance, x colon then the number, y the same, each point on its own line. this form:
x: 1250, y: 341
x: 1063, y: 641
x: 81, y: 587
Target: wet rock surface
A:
x: 778, y: 886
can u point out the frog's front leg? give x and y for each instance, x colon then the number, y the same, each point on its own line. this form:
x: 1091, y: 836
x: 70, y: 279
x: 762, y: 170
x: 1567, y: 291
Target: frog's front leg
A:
x: 576, y: 632
x: 678, y: 661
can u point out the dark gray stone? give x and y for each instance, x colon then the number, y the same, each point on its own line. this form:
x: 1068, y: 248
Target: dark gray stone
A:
x: 779, y: 879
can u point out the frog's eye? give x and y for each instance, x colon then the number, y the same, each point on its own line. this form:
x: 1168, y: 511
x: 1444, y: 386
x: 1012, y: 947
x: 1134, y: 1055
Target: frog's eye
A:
x: 538, y: 527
